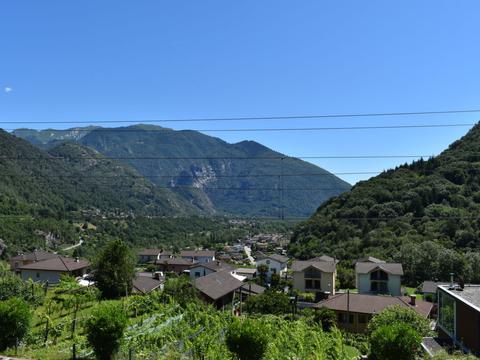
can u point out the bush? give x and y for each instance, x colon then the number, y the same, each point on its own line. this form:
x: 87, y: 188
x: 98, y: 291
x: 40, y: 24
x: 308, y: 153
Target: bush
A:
x: 325, y: 317
x: 15, y: 319
x: 246, y: 339
x: 105, y: 329
x: 270, y: 302
x: 396, y: 314
x: 395, y: 342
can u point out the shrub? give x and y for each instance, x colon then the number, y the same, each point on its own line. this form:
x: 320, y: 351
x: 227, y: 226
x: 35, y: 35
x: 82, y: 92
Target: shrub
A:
x: 270, y: 302
x: 395, y: 342
x: 15, y: 319
x: 396, y: 314
x: 325, y: 317
x: 246, y: 339
x: 105, y: 329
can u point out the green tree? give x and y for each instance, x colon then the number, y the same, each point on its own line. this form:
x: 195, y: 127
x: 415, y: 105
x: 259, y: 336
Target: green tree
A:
x: 396, y: 341
x: 105, y: 329
x: 15, y: 319
x: 262, y: 270
x: 114, y: 270
x: 396, y: 314
x: 247, y: 339
x: 180, y: 289
x: 325, y: 317
x: 270, y: 302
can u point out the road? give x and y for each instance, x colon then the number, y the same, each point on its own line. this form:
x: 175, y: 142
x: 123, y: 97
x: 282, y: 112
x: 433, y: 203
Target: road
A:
x: 74, y: 246
x: 248, y: 251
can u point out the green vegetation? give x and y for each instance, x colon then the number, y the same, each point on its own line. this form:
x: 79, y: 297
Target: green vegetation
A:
x: 114, y: 270
x: 396, y: 341
x: 396, y: 314
x: 105, y: 329
x: 247, y: 339
x: 15, y: 321
x: 326, y: 318
x: 418, y: 214
x: 270, y: 302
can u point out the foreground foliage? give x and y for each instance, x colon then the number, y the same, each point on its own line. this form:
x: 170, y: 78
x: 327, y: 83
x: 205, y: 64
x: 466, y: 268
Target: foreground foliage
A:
x: 15, y: 321
x: 396, y: 341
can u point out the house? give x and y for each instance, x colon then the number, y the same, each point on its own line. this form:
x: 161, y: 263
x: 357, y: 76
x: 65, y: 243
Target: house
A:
x: 249, y: 273
x: 315, y: 275
x: 176, y: 265
x: 374, y: 276
x: 459, y: 316
x: 203, y: 269
x: 51, y: 270
x: 150, y: 255
x: 277, y: 264
x: 25, y: 259
x: 199, y: 256
x: 429, y: 290
x: 219, y: 288
x: 145, y: 284
x: 354, y: 311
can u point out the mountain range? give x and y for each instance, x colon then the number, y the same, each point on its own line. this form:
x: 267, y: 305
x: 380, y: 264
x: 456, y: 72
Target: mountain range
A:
x: 187, y: 171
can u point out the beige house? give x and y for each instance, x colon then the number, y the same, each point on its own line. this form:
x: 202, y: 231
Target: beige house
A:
x: 315, y: 275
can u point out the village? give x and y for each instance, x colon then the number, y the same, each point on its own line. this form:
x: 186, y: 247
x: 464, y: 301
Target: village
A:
x: 226, y: 279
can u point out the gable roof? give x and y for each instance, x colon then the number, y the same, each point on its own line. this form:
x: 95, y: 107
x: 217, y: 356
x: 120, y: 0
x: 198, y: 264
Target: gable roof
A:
x: 280, y: 258
x: 144, y: 284
x: 253, y: 289
x: 373, y: 304
x: 174, y: 261
x: 59, y: 263
x: 324, y: 258
x: 197, y: 253
x: 149, y: 252
x: 372, y: 260
x: 324, y: 266
x: 217, y: 284
x: 214, y: 266
x: 34, y: 256
x: 368, y: 267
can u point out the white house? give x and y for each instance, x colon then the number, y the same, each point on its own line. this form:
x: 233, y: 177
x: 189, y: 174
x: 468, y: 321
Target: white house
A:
x: 204, y: 269
x: 51, y: 270
x: 277, y: 264
x: 199, y: 256
x: 151, y: 255
x: 374, y: 276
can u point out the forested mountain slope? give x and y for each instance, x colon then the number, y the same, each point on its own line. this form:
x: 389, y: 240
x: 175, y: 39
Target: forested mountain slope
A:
x: 426, y: 215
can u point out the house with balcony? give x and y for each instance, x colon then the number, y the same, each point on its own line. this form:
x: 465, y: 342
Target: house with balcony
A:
x: 375, y: 276
x: 316, y: 275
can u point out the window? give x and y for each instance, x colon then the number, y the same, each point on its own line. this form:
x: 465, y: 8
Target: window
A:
x: 197, y: 274
x: 312, y: 284
x: 273, y: 270
x: 342, y: 318
x: 362, y: 318
x: 268, y: 262
x: 308, y: 284
x: 38, y: 275
x: 446, y: 311
x: 379, y: 275
x: 380, y: 287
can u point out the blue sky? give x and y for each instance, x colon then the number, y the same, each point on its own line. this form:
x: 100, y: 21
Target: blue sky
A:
x: 130, y: 60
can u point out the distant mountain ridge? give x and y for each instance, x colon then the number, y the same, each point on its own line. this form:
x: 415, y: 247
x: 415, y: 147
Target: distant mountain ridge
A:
x: 245, y: 178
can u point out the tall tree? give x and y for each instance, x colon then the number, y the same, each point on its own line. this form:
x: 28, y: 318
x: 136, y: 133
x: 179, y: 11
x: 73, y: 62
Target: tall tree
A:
x: 114, y: 270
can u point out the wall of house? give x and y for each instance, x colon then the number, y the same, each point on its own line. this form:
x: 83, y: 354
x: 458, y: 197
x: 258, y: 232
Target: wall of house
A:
x: 467, y: 326
x: 327, y: 281
x: 200, y: 269
x: 200, y: 259
x: 394, y: 284
x: 356, y: 323
x: 280, y: 269
x: 53, y: 277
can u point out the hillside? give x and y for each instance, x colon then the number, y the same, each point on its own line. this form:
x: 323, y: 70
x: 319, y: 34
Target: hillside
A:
x: 35, y: 182
x: 424, y: 214
x: 209, y: 173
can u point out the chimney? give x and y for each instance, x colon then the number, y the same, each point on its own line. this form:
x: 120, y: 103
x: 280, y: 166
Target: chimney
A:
x: 77, y: 259
x: 413, y: 300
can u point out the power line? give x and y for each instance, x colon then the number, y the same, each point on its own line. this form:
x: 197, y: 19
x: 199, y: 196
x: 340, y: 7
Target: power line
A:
x: 249, y: 118
x: 333, y: 128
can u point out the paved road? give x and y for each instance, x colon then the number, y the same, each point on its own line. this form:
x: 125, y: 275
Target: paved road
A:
x: 73, y: 247
x: 248, y: 251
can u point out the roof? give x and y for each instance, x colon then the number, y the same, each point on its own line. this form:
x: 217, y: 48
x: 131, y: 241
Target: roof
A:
x: 35, y: 256
x: 280, y: 258
x: 324, y: 258
x: 371, y: 259
x: 469, y: 295
x: 174, y: 261
x: 253, y: 288
x: 217, y: 284
x: 430, y: 287
x: 373, y: 304
x: 59, y: 263
x: 324, y: 266
x: 145, y: 284
x: 246, y: 271
x: 197, y: 253
x: 368, y: 267
x: 149, y: 252
x: 214, y: 265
